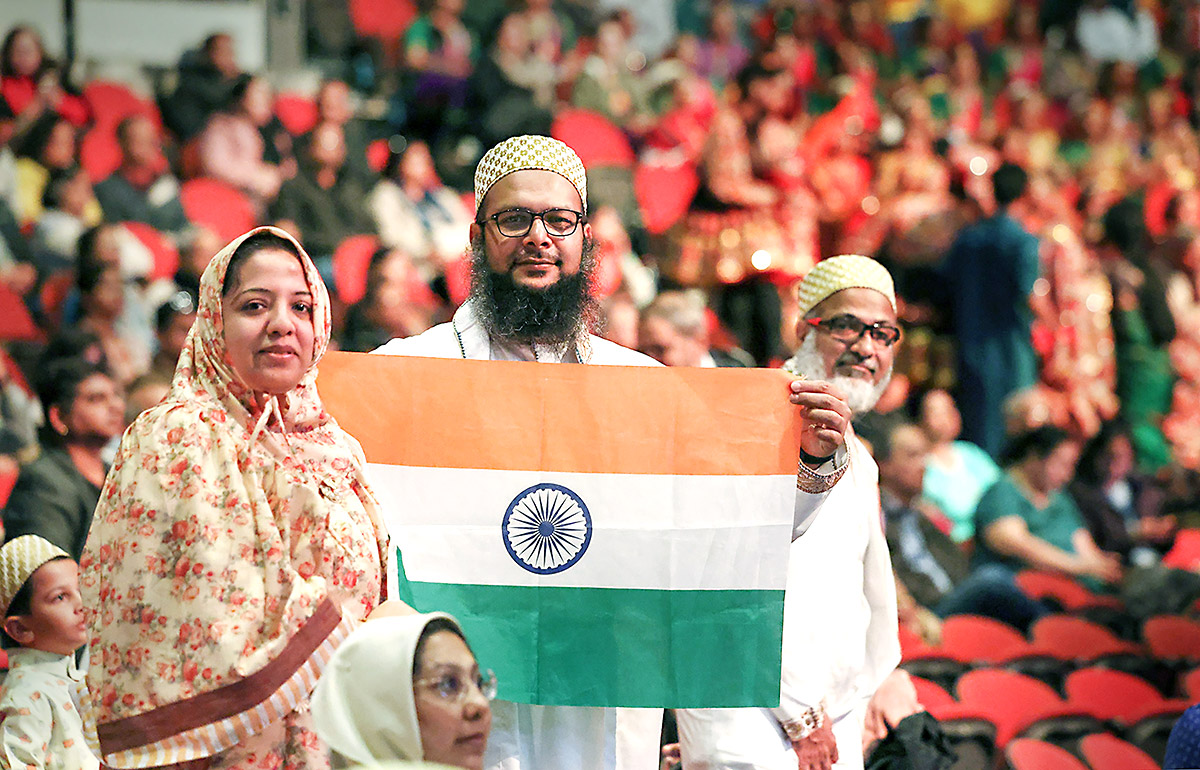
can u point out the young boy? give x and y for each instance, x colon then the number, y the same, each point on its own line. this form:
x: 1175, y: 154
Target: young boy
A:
x: 43, y: 627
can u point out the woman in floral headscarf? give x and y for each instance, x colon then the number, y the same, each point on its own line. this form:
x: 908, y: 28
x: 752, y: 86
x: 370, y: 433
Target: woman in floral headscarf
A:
x: 236, y: 542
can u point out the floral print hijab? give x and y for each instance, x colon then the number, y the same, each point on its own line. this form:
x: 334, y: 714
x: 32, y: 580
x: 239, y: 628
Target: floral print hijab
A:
x: 235, y: 544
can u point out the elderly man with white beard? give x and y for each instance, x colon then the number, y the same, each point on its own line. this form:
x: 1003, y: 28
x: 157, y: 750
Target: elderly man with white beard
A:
x: 839, y: 630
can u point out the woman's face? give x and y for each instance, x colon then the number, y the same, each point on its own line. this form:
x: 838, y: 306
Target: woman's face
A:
x: 25, y: 56
x: 60, y: 147
x: 107, y: 298
x: 268, y: 318
x: 452, y: 732
x: 940, y: 417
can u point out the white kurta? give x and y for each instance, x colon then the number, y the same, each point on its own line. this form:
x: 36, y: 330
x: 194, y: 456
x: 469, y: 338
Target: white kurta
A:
x: 839, y: 636
x: 526, y: 737
x: 41, y: 726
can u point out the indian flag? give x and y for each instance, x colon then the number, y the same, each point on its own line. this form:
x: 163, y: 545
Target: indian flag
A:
x: 608, y: 536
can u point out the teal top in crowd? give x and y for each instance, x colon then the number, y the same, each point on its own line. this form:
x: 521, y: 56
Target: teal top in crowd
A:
x: 1056, y: 523
x: 956, y: 490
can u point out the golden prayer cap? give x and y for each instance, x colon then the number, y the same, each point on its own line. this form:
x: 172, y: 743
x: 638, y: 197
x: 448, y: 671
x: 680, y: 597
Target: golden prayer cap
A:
x: 521, y: 153
x: 20, y: 558
x: 848, y: 271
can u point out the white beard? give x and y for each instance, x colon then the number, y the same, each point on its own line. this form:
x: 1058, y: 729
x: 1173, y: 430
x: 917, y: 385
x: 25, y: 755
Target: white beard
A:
x: 861, y: 395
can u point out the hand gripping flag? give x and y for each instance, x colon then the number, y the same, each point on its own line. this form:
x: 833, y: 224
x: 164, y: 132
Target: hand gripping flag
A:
x: 607, y: 536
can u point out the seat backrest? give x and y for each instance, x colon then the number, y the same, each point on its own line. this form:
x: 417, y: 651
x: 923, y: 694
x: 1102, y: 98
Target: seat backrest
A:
x: 1105, y: 751
x: 1066, y: 591
x: 218, y: 206
x: 297, y: 113
x: 1190, y: 685
x: 930, y: 694
x: 596, y: 140
x: 112, y: 102
x: 382, y: 19
x: 166, y: 256
x: 972, y: 638
x: 1070, y: 637
x: 1172, y: 637
x: 99, y: 153
x: 351, y: 260
x: 1109, y: 694
x: 1028, y: 754
x: 664, y: 194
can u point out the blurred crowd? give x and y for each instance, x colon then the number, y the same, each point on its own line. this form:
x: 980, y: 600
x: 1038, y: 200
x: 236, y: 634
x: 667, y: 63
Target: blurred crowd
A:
x: 1026, y: 170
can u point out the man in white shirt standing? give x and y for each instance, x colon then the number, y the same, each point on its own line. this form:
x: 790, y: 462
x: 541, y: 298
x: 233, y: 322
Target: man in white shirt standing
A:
x: 532, y: 256
x: 840, y: 637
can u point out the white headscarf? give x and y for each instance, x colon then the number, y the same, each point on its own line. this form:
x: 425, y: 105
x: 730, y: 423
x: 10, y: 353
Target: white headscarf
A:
x: 363, y: 705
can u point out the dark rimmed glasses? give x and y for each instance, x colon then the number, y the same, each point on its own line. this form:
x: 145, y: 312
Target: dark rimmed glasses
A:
x: 516, y: 223
x: 453, y: 686
x: 849, y: 329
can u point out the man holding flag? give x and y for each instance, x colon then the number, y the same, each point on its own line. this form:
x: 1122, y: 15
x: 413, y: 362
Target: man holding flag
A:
x: 533, y: 254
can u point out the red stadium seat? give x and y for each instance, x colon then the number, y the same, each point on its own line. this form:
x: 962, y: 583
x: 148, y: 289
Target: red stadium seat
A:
x: 596, y: 140
x: 1028, y: 754
x: 53, y: 292
x: 15, y: 321
x: 1072, y: 638
x: 1104, y: 751
x: 973, y: 638
x: 297, y: 113
x: 1012, y: 701
x: 112, y: 102
x: 1185, y: 554
x: 664, y: 194
x: 99, y: 153
x: 8, y: 480
x: 1172, y: 637
x: 1070, y: 594
x: 218, y: 206
x: 931, y: 695
x: 377, y: 155
x: 166, y: 256
x: 384, y: 20
x: 1117, y: 695
x: 350, y: 262
x: 1191, y: 685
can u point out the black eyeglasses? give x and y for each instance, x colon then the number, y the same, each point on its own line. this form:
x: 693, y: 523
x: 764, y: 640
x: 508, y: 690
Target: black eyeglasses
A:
x: 850, y: 329
x: 516, y: 223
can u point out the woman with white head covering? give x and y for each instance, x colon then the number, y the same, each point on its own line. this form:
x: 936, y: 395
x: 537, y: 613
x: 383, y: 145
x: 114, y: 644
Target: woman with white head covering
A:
x: 405, y: 688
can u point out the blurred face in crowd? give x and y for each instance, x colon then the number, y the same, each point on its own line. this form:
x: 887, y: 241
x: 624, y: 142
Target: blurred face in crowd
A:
x: 333, y: 102
x: 1120, y: 457
x: 256, y: 102
x: 140, y: 143
x: 1052, y: 472
x: 940, y: 416
x: 55, y: 622
x: 77, y: 194
x: 903, y: 471
x: 60, y: 147
x: 328, y: 147
x: 143, y: 395
x: 862, y: 367
x: 393, y: 280
x: 268, y: 318
x: 204, y: 246
x: 25, y: 55
x: 222, y: 55
x: 662, y: 341
x: 454, y: 731
x: 107, y: 298
x: 96, y: 414
x: 417, y: 167
x: 172, y: 339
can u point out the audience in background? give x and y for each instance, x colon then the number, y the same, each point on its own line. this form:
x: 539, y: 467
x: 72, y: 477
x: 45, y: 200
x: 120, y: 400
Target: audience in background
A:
x: 56, y: 494
x: 143, y: 189
x: 207, y: 79
x: 956, y: 472
x: 232, y: 147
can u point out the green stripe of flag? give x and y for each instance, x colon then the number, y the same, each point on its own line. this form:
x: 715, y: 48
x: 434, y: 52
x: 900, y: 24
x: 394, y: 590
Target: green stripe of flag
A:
x: 620, y: 647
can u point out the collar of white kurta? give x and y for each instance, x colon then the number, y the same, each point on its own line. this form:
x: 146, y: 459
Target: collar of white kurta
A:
x: 63, y: 665
x: 476, y: 344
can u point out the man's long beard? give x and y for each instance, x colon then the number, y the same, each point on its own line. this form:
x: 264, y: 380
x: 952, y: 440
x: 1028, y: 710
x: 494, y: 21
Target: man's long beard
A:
x: 556, y: 315
x: 861, y: 395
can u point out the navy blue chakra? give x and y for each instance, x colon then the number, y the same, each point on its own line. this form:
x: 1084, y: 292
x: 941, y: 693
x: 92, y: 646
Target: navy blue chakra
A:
x: 546, y: 529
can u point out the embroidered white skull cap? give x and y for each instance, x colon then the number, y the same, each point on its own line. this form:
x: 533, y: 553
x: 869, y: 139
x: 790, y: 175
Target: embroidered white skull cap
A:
x: 521, y: 153
x: 20, y: 558
x: 848, y: 271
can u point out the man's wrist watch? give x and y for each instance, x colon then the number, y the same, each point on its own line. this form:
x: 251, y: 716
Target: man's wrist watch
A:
x: 808, y: 723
